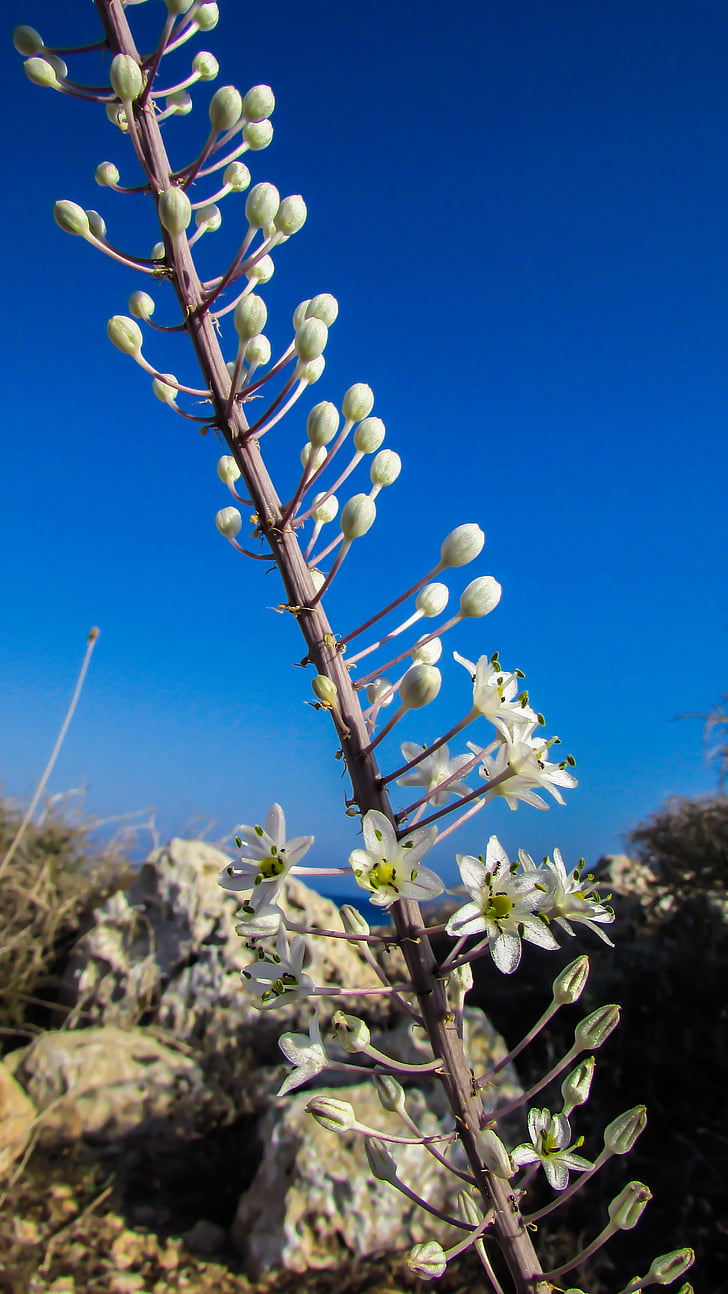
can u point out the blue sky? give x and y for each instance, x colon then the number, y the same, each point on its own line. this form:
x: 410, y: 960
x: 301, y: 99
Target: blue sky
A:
x: 521, y: 210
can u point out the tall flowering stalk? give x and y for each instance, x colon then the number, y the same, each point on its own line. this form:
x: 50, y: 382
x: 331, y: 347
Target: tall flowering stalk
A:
x: 508, y: 902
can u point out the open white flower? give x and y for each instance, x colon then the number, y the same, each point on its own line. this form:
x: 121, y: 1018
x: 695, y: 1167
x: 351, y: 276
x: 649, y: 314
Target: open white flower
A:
x: 266, y: 858
x: 506, y: 906
x: 495, y: 695
x: 306, y: 1053
x: 522, y: 765
x: 389, y: 868
x: 550, y: 1135
x: 433, y: 770
x: 570, y: 895
x: 276, y: 978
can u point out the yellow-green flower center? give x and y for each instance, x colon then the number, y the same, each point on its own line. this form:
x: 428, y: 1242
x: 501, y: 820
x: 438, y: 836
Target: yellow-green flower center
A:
x: 498, y: 907
x: 383, y: 874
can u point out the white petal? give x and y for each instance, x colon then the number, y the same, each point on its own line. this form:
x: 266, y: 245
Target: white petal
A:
x: 275, y: 825
x: 505, y: 950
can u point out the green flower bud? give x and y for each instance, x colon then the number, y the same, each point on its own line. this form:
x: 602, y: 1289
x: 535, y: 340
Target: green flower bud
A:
x: 378, y: 688
x: 299, y: 314
x: 381, y: 1163
x: 163, y: 391
x: 351, y: 1033
x: 313, y: 454
x: 357, y: 516
x: 291, y: 215
x: 141, y: 305
x: 158, y: 252
x: 96, y: 224
x: 257, y: 350
x: 385, y: 468
x: 427, y: 1260
x: 261, y: 205
x: 352, y: 920
x: 432, y: 599
x: 327, y: 510
x: 337, y: 1116
x: 71, y: 218
x: 117, y: 116
x: 207, y: 16
x: 125, y: 335
x: 627, y: 1208
x: 622, y: 1132
x: 257, y: 135
x: 369, y: 435
x: 228, y: 470
x: 126, y: 78
x: 324, y: 307
x: 577, y: 1085
x: 462, y: 545
x: 174, y: 210
x: 311, y: 371
x: 106, y: 173
x: 228, y: 522
x: 250, y: 317
x: 419, y: 686
x: 180, y: 102
x: 469, y: 1210
x: 41, y: 72
x: 670, y: 1267
x: 226, y: 106
x: 208, y: 218
x: 262, y: 271
x: 27, y: 41
x: 459, y: 983
x: 571, y: 982
x: 480, y: 597
x: 324, y: 689
x: 205, y: 65
x: 596, y: 1028
x: 358, y: 402
x: 311, y: 338
x: 237, y: 176
x: 322, y: 423
x: 179, y: 6
x: 495, y: 1156
x: 258, y: 103
x: 390, y: 1092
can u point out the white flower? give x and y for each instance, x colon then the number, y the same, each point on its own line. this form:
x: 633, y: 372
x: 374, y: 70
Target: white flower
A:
x: 506, y: 907
x: 433, y: 770
x: 550, y: 1135
x: 524, y: 770
x: 266, y: 859
x: 388, y: 867
x: 261, y: 922
x: 570, y: 896
x: 307, y: 1055
x: 495, y: 695
x: 277, y: 978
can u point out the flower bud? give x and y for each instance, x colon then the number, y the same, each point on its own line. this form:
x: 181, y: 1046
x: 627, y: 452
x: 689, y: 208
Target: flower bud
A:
x: 480, y: 597
x: 179, y: 6
x: 208, y: 218
x: 158, y: 252
x: 258, y: 103
x: 261, y: 205
x: 228, y: 522
x: 432, y: 599
x: 324, y: 689
x: 226, y: 105
x: 427, y: 653
x: 205, y: 65
x: 670, y: 1267
x: 237, y: 176
x: 428, y: 1260
x: 381, y: 1163
x: 351, y: 1033
x: 357, y: 516
x: 27, y: 41
x: 228, y: 470
x: 378, y: 688
x: 96, y: 224
x: 125, y: 334
x: 207, y: 16
x: 576, y: 1086
x: 313, y: 455
x: 163, y: 391
x: 41, y: 72
x: 318, y: 579
x: 71, y: 218
x: 337, y: 1116
x: 571, y: 982
x: 262, y: 271
x: 324, y: 307
x: 462, y: 545
x: 180, y: 102
x: 116, y: 115
x: 369, y: 435
x: 459, y: 983
x: 622, y: 1132
x: 358, y: 402
x: 326, y: 511
x: 352, y: 920
x: 299, y: 314
x: 174, y: 210
x: 596, y: 1028
x: 257, y: 135
x: 419, y: 686
x: 311, y: 339
x: 322, y: 423
x: 257, y: 350
x: 250, y: 317
x: 106, y: 173
x: 310, y: 372
x: 291, y: 215
x: 627, y: 1208
x: 385, y: 468
x: 494, y: 1154
x: 126, y: 78
x: 390, y: 1092
x: 141, y: 305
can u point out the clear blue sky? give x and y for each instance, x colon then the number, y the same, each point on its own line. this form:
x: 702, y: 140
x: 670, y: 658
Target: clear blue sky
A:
x: 521, y: 208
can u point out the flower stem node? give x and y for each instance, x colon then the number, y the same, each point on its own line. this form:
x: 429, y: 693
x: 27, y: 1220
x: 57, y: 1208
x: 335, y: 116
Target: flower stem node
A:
x: 462, y: 545
x: 228, y: 470
x: 337, y: 1116
x: 236, y: 176
x: 428, y: 1260
x: 229, y: 522
x: 257, y: 135
x: 71, y: 218
x: 324, y: 306
x: 358, y: 402
x: 106, y: 173
x: 381, y: 1163
x: 322, y: 423
x: 258, y: 103
x: 141, y: 305
x: 226, y: 106
x: 420, y: 685
x: 480, y: 597
x: 126, y: 78
x: 125, y: 334
x: 311, y: 339
x: 369, y: 435
x: 390, y: 1092
x: 27, y: 41
x: 571, y: 982
x: 251, y: 315
x: 261, y: 205
x: 291, y: 216
x: 175, y: 210
x: 596, y: 1028
x: 324, y: 689
x: 627, y: 1208
x: 205, y: 65
x: 670, y: 1267
x: 622, y: 1133
x: 41, y: 72
x: 165, y: 391
x: 357, y: 516
x: 385, y: 468
x: 352, y: 1034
